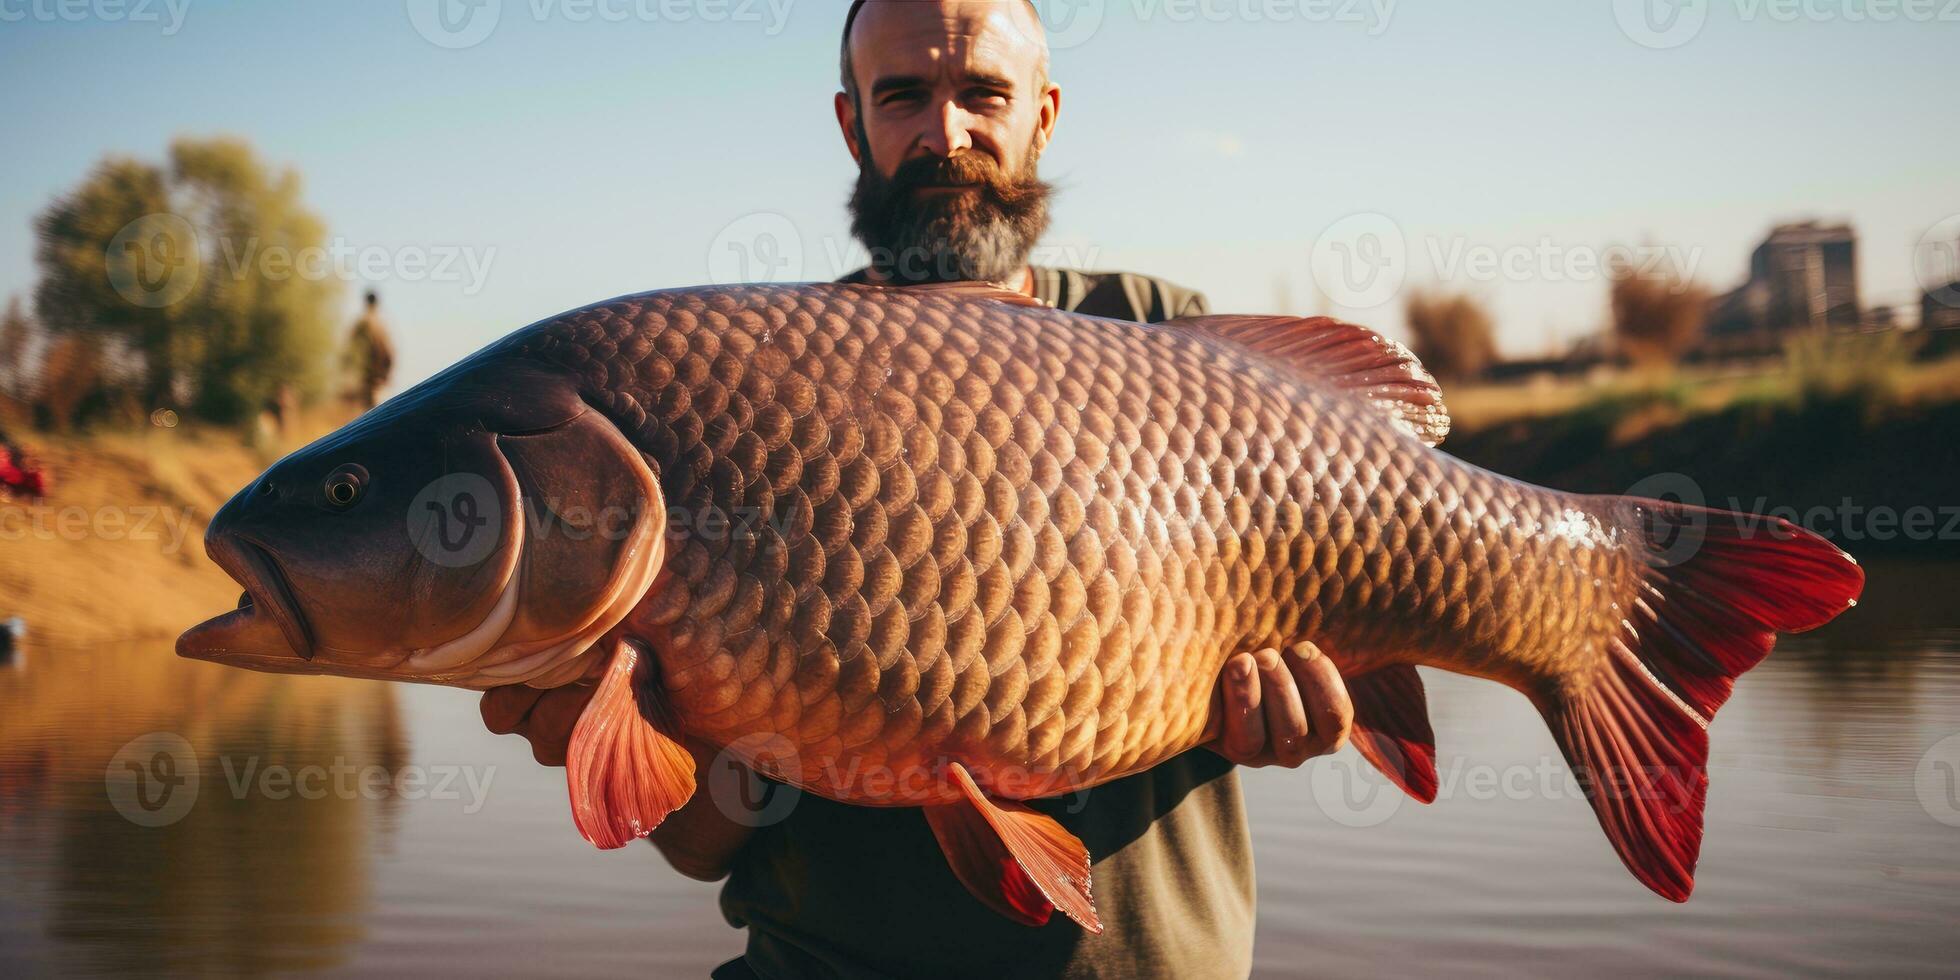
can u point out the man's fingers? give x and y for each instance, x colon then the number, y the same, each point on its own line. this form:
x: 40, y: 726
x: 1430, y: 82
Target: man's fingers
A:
x: 1286, y: 717
x: 1245, y: 725
x: 504, y: 708
x: 544, y: 718
x: 1328, y: 707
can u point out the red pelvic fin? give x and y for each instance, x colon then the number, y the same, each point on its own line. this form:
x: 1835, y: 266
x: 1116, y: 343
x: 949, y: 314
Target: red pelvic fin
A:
x: 623, y: 774
x: 1015, y: 860
x: 1391, y: 728
x: 1718, y: 589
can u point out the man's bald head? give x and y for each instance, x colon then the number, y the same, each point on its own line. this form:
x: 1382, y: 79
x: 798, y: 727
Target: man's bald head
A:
x: 947, y: 108
x: 1026, y: 19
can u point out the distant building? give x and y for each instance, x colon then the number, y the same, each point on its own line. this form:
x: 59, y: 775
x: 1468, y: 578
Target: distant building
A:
x: 1939, y: 309
x: 1939, y: 306
x: 1802, y: 276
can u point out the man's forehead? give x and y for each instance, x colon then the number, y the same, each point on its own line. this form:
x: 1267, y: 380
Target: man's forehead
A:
x: 926, y: 38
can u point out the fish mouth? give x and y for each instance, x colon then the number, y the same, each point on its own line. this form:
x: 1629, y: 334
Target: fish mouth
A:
x: 242, y: 637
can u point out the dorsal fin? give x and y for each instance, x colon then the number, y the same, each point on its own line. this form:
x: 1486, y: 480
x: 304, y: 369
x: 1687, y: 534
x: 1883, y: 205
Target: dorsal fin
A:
x: 1353, y: 357
x: 971, y: 290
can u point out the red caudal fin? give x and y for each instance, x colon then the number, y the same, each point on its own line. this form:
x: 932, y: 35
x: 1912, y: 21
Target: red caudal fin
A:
x: 1391, y: 728
x: 1717, y: 589
x: 623, y: 774
x: 1016, y: 861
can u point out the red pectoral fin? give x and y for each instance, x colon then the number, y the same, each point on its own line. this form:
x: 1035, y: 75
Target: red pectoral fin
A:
x: 624, y: 775
x: 1015, y: 860
x: 1391, y: 728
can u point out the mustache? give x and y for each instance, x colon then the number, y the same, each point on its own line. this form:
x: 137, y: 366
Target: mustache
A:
x: 967, y: 168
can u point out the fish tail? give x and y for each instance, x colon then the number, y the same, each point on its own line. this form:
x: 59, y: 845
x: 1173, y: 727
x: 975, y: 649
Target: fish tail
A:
x: 1713, y: 590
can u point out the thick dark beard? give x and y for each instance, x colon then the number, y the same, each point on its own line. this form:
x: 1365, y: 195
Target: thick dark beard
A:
x: 984, y: 236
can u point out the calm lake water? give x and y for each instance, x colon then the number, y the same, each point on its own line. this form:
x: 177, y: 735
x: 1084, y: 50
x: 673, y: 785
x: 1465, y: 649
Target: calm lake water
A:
x: 1832, y: 771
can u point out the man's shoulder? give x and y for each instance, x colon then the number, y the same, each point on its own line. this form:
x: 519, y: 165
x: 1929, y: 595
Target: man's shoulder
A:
x: 1120, y: 295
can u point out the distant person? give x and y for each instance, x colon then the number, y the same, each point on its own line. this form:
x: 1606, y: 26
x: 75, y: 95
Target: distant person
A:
x: 279, y: 412
x: 370, y: 355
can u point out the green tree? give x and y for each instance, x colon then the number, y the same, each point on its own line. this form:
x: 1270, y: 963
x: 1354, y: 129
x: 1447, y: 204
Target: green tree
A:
x: 195, y: 270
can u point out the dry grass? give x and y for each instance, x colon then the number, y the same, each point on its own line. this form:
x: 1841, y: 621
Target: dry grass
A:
x: 116, y: 551
x: 1703, y: 388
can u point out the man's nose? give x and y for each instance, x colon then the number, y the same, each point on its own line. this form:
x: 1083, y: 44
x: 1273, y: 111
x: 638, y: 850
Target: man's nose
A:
x: 950, y: 135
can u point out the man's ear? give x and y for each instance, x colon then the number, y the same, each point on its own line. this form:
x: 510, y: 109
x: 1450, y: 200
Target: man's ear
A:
x: 847, y: 121
x: 1051, y: 109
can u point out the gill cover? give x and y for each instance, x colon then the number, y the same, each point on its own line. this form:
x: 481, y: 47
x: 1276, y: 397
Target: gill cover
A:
x: 594, y: 530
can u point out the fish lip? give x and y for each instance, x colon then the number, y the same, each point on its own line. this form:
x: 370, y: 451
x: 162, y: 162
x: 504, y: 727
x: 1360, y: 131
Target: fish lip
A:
x: 252, y: 566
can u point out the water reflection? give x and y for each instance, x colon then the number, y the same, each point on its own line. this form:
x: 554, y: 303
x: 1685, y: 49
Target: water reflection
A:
x: 251, y: 878
x: 1820, y: 854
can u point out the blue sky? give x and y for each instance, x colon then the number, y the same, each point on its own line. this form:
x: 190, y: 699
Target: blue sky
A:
x: 587, y: 148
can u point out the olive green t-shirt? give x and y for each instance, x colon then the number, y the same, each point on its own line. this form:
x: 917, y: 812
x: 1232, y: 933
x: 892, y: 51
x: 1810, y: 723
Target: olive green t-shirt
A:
x: 845, y: 891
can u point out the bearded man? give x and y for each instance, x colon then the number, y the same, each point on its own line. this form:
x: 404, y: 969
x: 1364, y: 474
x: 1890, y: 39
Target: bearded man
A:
x: 946, y: 107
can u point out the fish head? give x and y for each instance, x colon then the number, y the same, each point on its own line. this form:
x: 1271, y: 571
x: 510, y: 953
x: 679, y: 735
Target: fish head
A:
x: 482, y: 529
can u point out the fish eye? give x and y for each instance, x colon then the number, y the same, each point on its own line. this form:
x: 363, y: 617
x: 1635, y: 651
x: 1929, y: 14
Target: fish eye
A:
x: 345, y: 485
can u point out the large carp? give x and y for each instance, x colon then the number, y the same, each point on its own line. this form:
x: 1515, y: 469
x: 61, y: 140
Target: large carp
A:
x: 944, y: 547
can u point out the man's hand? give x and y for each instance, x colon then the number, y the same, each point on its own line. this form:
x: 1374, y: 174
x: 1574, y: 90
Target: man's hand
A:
x: 1273, y: 708
x: 545, y: 718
